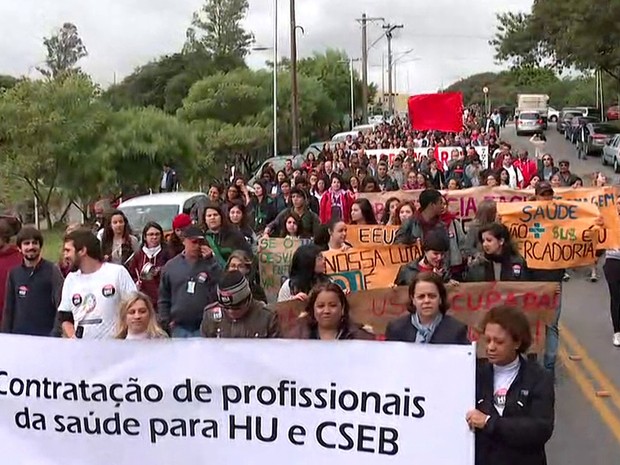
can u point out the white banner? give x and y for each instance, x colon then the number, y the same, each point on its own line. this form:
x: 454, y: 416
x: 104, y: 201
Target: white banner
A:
x: 71, y: 402
x: 442, y: 155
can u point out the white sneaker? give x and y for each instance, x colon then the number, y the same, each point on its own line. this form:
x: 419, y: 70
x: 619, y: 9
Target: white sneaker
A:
x: 617, y: 339
x: 593, y: 276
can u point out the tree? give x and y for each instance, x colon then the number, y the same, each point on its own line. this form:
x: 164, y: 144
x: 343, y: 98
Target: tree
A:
x: 217, y: 30
x: 64, y: 49
x: 579, y: 34
x: 7, y: 82
x: 45, y: 130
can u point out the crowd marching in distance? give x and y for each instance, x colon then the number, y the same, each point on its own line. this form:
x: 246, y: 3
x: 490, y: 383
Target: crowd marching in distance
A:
x: 202, y: 278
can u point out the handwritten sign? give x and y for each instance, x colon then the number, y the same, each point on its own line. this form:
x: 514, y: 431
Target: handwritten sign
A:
x: 468, y: 303
x: 371, y: 235
x: 274, y: 263
x: 464, y: 204
x: 553, y: 235
x: 378, y: 266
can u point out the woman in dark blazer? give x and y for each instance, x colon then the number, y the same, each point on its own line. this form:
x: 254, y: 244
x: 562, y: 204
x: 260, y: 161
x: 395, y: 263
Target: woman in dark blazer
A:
x: 427, y: 322
x: 514, y: 413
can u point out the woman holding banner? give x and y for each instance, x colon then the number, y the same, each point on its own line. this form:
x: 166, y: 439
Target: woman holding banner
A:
x: 514, y: 413
x: 326, y: 317
x: 427, y: 322
x: 501, y: 260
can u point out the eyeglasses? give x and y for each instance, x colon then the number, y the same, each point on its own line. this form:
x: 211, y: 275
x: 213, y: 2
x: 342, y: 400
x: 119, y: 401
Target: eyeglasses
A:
x: 547, y: 159
x: 155, y: 234
x: 563, y: 164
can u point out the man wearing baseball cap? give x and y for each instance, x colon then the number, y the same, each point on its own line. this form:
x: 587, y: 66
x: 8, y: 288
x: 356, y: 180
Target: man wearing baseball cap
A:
x: 236, y: 314
x: 188, y: 284
x: 544, y: 192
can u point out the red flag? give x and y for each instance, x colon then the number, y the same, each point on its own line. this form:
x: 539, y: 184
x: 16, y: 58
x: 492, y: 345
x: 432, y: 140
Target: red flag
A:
x: 438, y: 112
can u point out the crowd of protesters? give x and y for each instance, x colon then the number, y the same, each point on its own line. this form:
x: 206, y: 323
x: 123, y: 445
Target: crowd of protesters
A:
x: 202, y: 279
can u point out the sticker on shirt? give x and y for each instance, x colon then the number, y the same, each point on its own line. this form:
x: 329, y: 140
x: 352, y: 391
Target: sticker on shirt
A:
x: 108, y: 290
x: 76, y: 300
x: 516, y: 270
x: 216, y: 313
x: 22, y: 291
x: 202, y: 277
x: 499, y: 398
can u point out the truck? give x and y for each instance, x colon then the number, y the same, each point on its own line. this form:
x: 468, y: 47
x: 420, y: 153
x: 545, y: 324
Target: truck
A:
x: 534, y: 102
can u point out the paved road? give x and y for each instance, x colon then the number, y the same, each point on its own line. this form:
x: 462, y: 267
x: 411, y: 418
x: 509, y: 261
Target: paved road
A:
x: 588, y: 387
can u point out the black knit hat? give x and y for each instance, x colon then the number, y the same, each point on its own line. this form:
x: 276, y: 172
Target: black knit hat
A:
x: 233, y: 289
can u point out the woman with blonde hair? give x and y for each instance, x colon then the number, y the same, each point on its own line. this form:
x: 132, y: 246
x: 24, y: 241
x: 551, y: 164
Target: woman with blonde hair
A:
x: 138, y: 320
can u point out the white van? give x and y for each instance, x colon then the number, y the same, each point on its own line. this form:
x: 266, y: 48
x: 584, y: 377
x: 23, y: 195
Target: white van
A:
x: 342, y: 136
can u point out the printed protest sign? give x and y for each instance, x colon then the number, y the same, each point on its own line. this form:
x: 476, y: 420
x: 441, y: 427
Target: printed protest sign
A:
x: 442, y: 154
x: 553, y: 235
x: 370, y: 268
x: 274, y: 262
x: 371, y: 235
x: 234, y: 402
x: 468, y: 303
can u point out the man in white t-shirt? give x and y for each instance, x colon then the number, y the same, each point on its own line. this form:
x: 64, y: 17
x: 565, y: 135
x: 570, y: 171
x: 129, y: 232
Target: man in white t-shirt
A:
x: 93, y: 291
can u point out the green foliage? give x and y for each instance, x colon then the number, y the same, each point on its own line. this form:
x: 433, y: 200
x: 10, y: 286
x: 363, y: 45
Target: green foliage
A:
x: 581, y: 34
x: 7, y: 82
x: 163, y: 83
x: 64, y: 49
x: 217, y: 30
x: 504, y: 87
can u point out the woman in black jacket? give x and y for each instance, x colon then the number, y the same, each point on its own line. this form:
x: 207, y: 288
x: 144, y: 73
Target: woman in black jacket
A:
x: 514, y: 414
x: 500, y: 260
x: 427, y: 322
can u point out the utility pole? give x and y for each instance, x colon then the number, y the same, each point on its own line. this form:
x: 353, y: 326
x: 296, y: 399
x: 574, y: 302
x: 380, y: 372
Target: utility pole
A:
x: 294, y: 90
x: 389, y: 29
x: 364, y: 20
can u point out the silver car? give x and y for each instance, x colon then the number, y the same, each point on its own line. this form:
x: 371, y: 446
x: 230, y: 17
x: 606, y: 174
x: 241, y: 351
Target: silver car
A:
x: 529, y: 122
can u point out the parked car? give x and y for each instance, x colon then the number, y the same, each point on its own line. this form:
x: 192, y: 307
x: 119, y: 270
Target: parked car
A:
x: 566, y: 115
x: 553, y: 115
x: 529, y: 122
x: 277, y: 164
x: 161, y: 208
x: 611, y: 153
x: 590, y: 111
x: 572, y: 129
x: 315, y: 147
x: 613, y: 112
x: 598, y: 135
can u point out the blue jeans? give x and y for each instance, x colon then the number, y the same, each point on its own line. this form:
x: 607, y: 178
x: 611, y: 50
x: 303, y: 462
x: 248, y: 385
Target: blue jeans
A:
x: 552, y: 336
x: 180, y: 332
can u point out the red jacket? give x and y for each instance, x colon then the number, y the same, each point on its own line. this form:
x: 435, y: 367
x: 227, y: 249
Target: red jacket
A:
x: 528, y: 168
x: 149, y: 286
x: 9, y: 259
x: 325, y: 207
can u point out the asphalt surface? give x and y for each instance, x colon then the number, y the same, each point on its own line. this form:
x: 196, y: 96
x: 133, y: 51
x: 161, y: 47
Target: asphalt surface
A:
x: 587, y: 427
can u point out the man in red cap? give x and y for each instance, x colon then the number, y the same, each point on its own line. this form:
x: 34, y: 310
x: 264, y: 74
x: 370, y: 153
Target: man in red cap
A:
x: 175, y: 241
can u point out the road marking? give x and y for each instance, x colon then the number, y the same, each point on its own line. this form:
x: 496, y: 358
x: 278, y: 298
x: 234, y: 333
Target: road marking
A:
x: 575, y: 348
x: 600, y: 405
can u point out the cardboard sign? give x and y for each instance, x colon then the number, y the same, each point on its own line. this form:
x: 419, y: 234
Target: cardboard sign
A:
x: 369, y: 268
x: 464, y: 204
x: 553, y: 235
x: 274, y: 262
x: 371, y: 235
x: 468, y: 303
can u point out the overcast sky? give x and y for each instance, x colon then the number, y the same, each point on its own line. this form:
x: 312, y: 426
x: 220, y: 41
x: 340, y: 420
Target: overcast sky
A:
x: 448, y: 38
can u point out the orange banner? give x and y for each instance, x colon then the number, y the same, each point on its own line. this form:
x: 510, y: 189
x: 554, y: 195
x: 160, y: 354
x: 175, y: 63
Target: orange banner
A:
x: 371, y: 235
x: 553, y: 235
x: 464, y: 204
x: 468, y: 303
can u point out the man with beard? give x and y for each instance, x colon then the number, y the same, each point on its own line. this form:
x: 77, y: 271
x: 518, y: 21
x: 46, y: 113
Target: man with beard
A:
x: 93, y: 291
x: 33, y: 289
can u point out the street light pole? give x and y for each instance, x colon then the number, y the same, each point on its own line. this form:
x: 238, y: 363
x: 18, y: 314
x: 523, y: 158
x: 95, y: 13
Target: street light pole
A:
x: 364, y: 21
x: 275, y: 78
x: 389, y: 29
x: 294, y: 90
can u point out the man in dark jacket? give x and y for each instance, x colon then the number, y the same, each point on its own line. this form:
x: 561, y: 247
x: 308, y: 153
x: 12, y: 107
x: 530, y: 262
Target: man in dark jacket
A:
x: 188, y: 284
x: 168, y: 179
x: 310, y: 223
x: 426, y: 220
x: 544, y: 192
x: 33, y: 289
x: 236, y: 314
x: 386, y: 183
